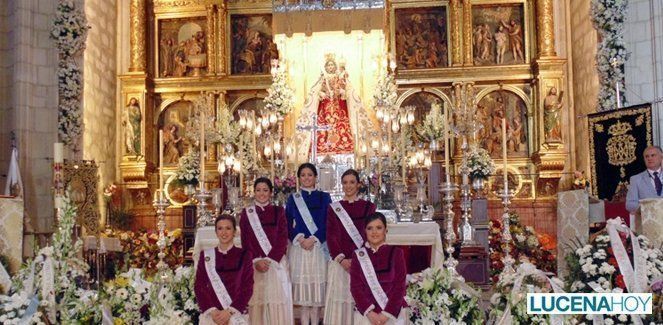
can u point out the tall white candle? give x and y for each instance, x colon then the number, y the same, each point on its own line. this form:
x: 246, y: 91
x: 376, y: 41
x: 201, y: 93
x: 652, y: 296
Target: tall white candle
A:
x: 160, y: 162
x: 506, y: 183
x: 202, y: 150
x: 58, y: 152
x: 446, y: 143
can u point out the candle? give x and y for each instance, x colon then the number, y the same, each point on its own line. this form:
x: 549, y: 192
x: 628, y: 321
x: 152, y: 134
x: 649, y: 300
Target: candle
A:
x: 202, y: 150
x: 58, y: 152
x: 446, y: 143
x: 160, y: 164
x: 506, y: 184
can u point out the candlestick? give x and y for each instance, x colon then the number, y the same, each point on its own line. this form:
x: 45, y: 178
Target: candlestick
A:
x: 58, y: 149
x: 504, y: 153
x: 446, y: 143
x: 161, y: 162
x: 202, y: 150
x: 619, y: 100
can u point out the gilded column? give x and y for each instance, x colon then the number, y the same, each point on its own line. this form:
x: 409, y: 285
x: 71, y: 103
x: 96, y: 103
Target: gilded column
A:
x: 137, y: 39
x: 456, y: 38
x: 211, y: 40
x: 545, y: 28
x: 221, y: 27
x: 467, y: 33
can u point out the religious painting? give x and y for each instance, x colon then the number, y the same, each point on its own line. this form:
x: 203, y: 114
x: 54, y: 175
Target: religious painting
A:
x: 131, y: 127
x: 252, y: 44
x: 182, y: 47
x: 490, y: 111
x: 422, y: 101
x: 173, y: 121
x: 498, y: 34
x: 421, y: 37
x: 255, y: 104
x: 176, y: 192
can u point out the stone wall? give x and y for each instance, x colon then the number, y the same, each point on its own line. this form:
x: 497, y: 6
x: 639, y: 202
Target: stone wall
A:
x: 585, y: 77
x: 100, y: 93
x: 28, y: 100
x: 644, y: 69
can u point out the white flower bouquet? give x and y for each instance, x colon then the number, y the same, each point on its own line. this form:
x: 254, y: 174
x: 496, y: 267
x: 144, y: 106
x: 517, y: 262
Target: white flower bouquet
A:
x: 188, y: 168
x: 175, y: 301
x: 432, y: 128
x: 509, y: 303
x: 280, y: 96
x: 477, y: 163
x: 385, y: 91
x: 126, y: 299
x: 436, y: 296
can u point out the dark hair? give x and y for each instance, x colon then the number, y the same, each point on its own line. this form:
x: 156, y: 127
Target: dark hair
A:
x: 309, y: 166
x: 350, y: 172
x: 375, y: 216
x: 226, y: 217
x: 264, y: 180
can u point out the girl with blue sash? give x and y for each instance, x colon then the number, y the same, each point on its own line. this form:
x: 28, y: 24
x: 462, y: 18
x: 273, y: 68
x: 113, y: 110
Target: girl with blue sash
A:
x: 306, y: 211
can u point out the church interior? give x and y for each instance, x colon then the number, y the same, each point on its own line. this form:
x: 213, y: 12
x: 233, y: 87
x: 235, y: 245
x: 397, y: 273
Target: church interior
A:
x: 497, y: 137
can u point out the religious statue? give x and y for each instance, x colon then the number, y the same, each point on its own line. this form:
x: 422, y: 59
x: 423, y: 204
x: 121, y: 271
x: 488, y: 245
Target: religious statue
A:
x: 552, y: 106
x: 172, y: 145
x: 500, y: 44
x: 515, y: 39
x: 131, y: 118
x: 166, y: 56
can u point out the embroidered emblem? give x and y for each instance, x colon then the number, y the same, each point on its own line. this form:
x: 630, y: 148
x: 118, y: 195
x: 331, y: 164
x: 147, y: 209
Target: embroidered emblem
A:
x: 338, y: 209
x: 207, y: 258
x: 251, y: 210
x: 361, y: 254
x: 298, y: 195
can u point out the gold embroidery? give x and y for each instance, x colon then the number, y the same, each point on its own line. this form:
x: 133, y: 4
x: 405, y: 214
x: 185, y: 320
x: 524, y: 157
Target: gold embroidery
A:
x: 621, y: 146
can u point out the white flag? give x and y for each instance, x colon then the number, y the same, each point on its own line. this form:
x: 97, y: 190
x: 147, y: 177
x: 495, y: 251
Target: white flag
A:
x: 14, y: 185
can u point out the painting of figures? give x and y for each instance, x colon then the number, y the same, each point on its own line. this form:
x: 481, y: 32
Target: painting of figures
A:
x: 173, y: 121
x: 498, y: 34
x: 421, y: 38
x: 182, y: 47
x: 252, y: 44
x: 490, y: 111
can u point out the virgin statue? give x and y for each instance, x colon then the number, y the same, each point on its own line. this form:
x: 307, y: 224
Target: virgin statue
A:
x: 336, y: 107
x: 131, y: 118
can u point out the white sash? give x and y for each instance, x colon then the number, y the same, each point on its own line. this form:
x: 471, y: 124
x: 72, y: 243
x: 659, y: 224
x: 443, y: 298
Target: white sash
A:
x: 372, y: 279
x: 348, y: 224
x: 258, y: 230
x: 305, y: 213
x: 215, y: 279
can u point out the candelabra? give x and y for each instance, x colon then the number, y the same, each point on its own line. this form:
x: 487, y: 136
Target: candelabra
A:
x: 227, y: 167
x: 448, y: 188
x: 421, y: 162
x: 205, y: 218
x: 161, y: 204
x: 506, y: 195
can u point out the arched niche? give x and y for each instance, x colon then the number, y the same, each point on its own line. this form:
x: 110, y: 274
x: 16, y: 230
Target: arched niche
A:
x: 172, y: 119
x: 422, y: 98
x: 249, y: 103
x: 493, y: 104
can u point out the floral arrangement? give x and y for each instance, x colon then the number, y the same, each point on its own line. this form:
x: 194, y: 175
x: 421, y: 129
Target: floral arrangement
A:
x: 477, y: 163
x: 13, y: 308
x: 385, y: 91
x: 401, y: 146
x: 175, y: 301
x: 245, y: 150
x: 579, y: 181
x: 218, y: 130
x: 436, y: 296
x: 608, y: 17
x: 526, y: 245
x: 188, y: 168
x: 508, y: 303
x: 657, y: 304
x: 593, y: 267
x: 69, y: 32
x: 285, y: 185
x: 280, y: 96
x: 432, y: 128
x: 127, y: 297
x: 140, y: 249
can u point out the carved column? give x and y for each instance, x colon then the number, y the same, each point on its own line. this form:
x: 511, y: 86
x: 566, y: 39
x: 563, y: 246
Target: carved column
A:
x: 545, y: 28
x: 456, y: 37
x: 137, y: 39
x: 220, y: 25
x: 467, y: 33
x: 211, y: 40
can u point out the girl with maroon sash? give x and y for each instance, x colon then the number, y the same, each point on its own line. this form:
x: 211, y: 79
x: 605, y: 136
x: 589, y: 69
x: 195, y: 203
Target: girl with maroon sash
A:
x: 265, y: 235
x: 377, y: 278
x: 224, y: 279
x: 345, y: 234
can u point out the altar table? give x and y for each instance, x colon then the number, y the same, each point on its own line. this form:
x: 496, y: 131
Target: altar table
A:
x: 401, y: 234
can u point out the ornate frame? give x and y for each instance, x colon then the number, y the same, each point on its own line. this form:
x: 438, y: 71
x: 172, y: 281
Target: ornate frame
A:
x: 228, y: 42
x: 528, y: 35
x: 86, y: 173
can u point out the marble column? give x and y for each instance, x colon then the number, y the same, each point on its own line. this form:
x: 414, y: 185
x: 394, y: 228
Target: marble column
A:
x: 137, y: 39
x: 545, y: 28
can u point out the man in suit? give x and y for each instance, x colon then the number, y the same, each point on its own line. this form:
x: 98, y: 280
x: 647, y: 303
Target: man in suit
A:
x: 649, y: 183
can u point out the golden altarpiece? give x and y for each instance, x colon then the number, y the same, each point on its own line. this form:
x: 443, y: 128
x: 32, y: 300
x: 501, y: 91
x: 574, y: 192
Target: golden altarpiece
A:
x: 502, y: 50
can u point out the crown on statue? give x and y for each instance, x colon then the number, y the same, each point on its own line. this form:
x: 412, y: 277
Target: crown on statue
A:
x: 619, y: 128
x: 330, y: 57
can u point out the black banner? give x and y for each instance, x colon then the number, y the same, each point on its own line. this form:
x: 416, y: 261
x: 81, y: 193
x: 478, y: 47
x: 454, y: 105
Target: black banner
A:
x: 617, y: 140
